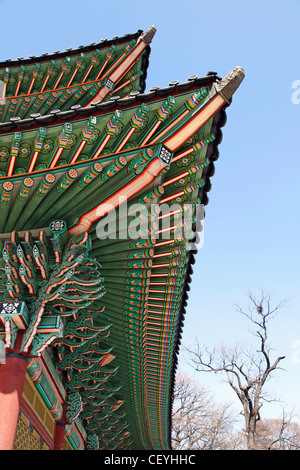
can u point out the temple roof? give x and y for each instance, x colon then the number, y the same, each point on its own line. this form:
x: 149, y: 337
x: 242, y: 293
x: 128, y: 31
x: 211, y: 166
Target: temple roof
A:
x: 112, y: 103
x: 111, y: 172
x: 94, y: 133
x: 76, y: 76
x: 103, y: 44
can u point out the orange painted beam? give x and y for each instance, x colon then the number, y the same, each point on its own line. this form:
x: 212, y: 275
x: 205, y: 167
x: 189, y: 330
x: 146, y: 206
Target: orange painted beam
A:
x: 129, y: 190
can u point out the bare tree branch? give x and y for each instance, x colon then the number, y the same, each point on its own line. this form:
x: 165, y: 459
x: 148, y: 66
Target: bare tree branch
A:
x: 198, y: 423
x: 246, y: 371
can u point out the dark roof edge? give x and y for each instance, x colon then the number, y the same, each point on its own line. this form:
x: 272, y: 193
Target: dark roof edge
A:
x: 68, y: 52
x: 37, y: 120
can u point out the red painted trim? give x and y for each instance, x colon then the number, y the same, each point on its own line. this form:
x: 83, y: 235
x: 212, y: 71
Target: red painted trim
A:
x: 200, y: 118
x: 36, y: 423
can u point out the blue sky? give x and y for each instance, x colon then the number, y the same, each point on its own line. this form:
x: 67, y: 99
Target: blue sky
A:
x: 252, y: 220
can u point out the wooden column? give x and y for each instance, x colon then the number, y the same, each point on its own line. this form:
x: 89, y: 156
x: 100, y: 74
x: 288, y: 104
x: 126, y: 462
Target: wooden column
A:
x: 12, y: 378
x: 59, y: 433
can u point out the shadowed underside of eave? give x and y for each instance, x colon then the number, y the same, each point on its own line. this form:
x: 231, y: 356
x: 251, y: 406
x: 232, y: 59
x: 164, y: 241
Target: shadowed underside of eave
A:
x: 156, y: 148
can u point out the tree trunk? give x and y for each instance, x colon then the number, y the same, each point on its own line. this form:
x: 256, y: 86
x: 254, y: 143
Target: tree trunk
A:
x: 251, y: 433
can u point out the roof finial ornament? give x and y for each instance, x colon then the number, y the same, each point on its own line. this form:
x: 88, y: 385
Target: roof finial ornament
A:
x: 229, y: 84
x: 147, y: 36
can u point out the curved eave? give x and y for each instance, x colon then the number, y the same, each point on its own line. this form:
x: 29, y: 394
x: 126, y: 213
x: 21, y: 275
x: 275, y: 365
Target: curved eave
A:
x: 212, y: 154
x: 104, y: 43
x: 77, y: 112
x: 215, y: 119
x: 60, y: 80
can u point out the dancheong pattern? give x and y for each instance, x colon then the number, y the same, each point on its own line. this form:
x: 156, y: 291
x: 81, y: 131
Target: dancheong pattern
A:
x: 98, y: 288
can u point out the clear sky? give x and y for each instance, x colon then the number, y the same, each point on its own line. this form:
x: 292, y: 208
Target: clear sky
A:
x: 252, y: 220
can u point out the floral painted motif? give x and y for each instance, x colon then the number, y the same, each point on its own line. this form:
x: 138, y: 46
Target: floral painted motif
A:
x: 71, y: 141
x: 82, y: 157
x: 26, y: 78
x: 127, y: 89
x: 130, y: 73
x: 47, y: 146
x: 129, y: 145
x: 12, y: 80
x: 93, y: 136
x: 182, y: 182
x: 6, y: 192
x: 8, y: 186
x: 40, y: 76
x: 4, y: 154
x: 41, y: 166
x: 24, y: 150
x: 185, y: 161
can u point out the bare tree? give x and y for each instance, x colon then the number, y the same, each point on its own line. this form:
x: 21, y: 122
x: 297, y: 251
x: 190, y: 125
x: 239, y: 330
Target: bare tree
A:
x: 247, y: 371
x: 278, y: 434
x: 198, y: 423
